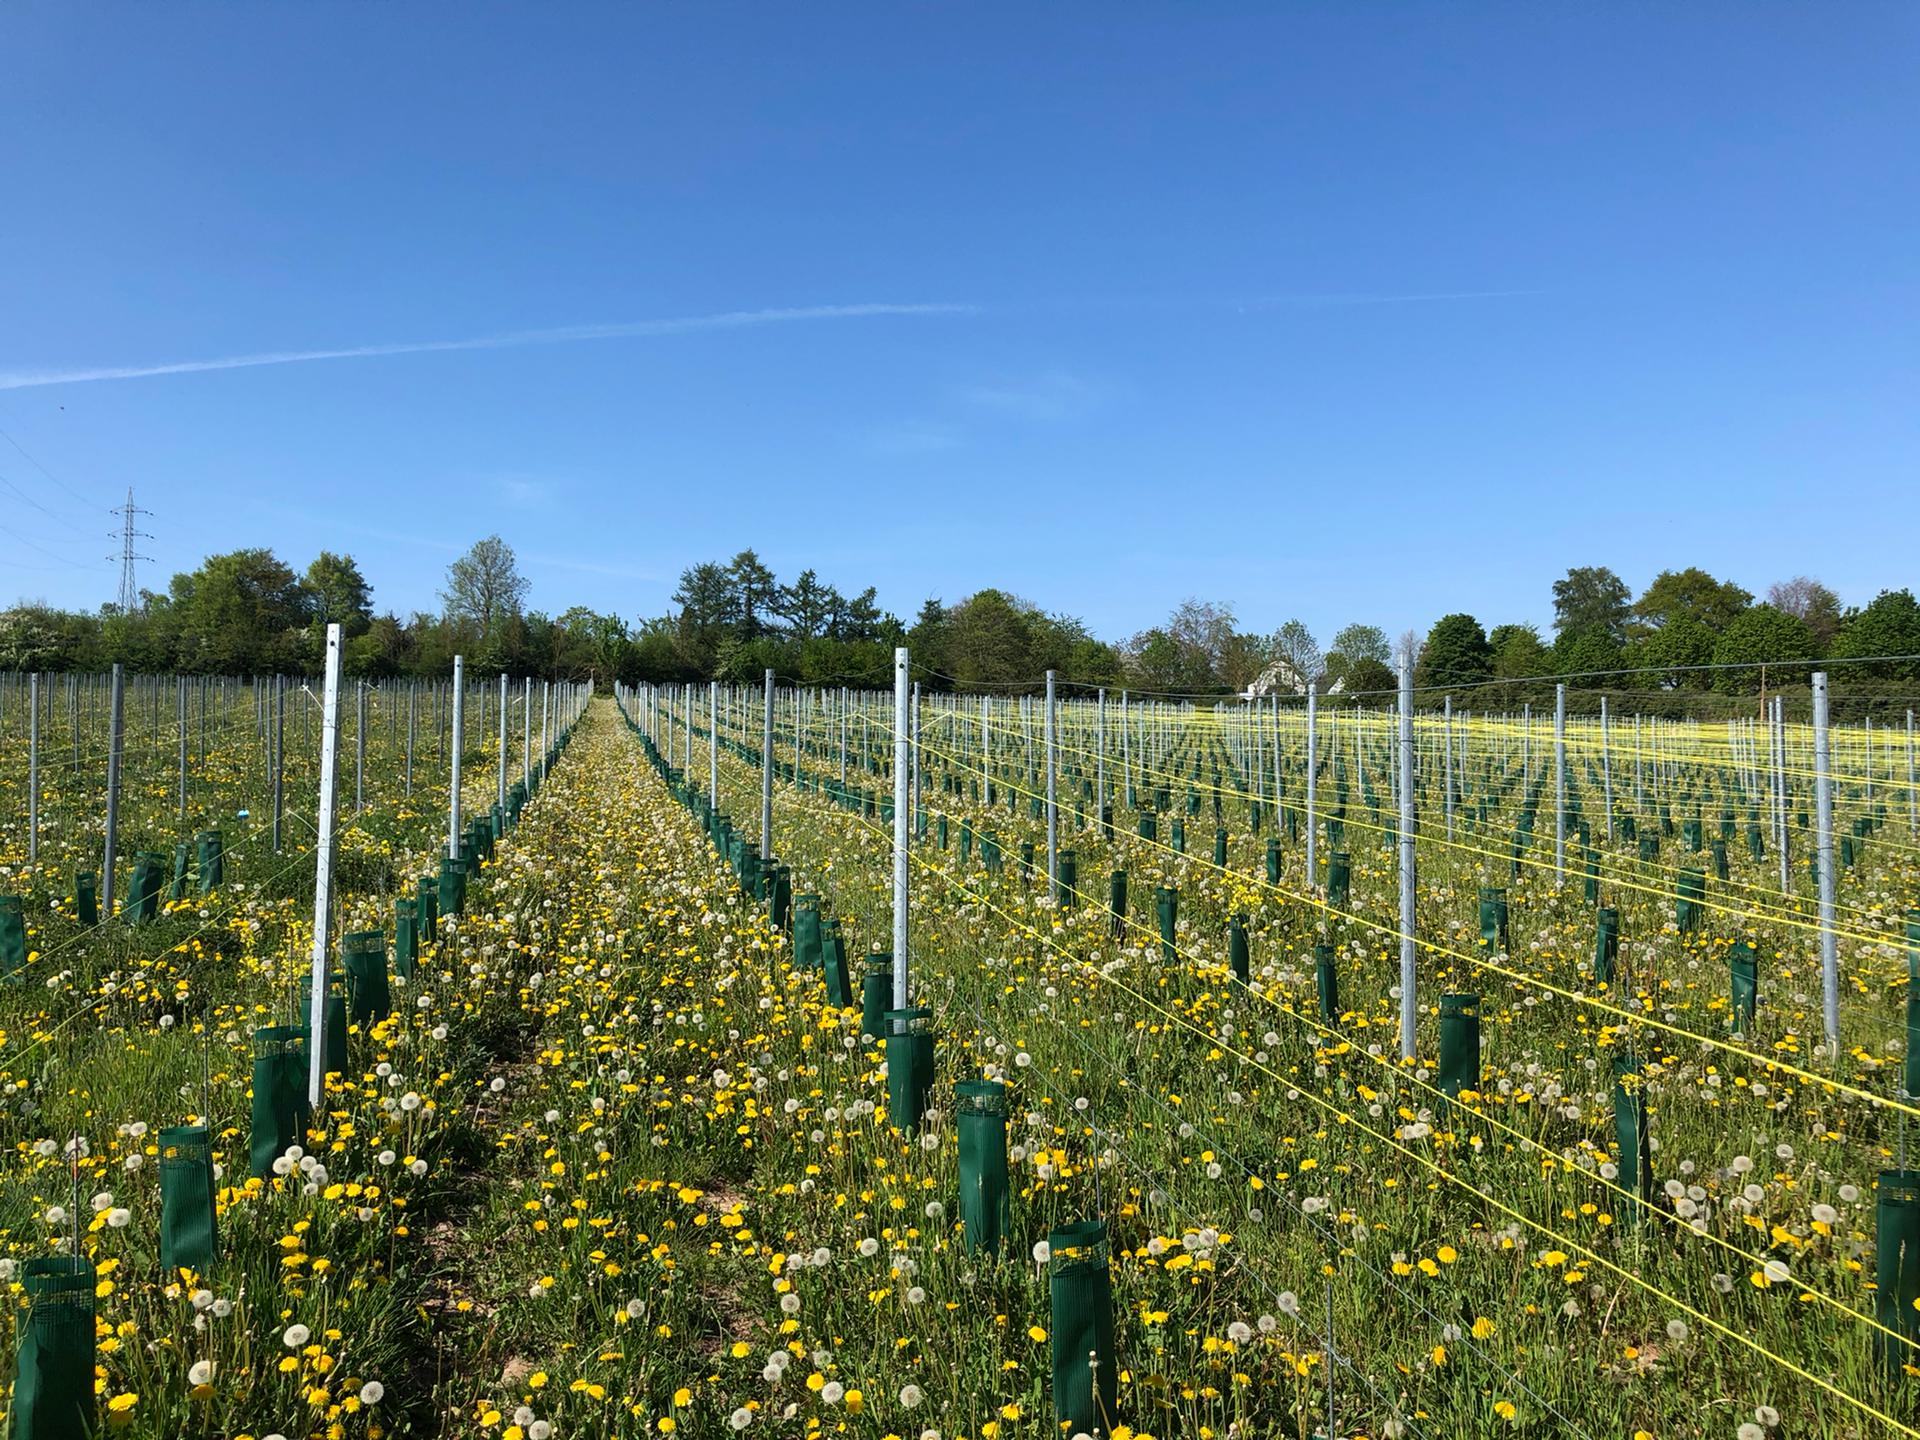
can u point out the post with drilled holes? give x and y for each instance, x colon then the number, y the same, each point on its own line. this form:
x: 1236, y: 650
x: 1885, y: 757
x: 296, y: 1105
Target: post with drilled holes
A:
x: 1823, y: 806
x: 1408, y: 1010
x: 182, y: 727
x: 1559, y: 785
x: 323, y: 860
x: 766, y: 773
x: 1053, y: 809
x: 33, y: 766
x: 503, y: 743
x: 713, y: 744
x: 916, y: 757
x: 1312, y: 780
x: 116, y: 736
x: 902, y: 821
x: 1606, y: 765
x: 453, y: 786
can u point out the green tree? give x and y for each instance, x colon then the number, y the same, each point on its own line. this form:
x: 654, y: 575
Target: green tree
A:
x: 1889, y: 626
x: 1807, y: 599
x: 240, y: 613
x: 1589, y: 659
x: 1671, y: 654
x: 1518, y: 653
x: 1591, y: 597
x: 756, y: 594
x: 990, y: 640
x: 809, y: 605
x: 1297, y: 654
x: 484, y: 586
x: 339, y: 593
x: 1457, y: 654
x: 1690, y: 594
x: 1762, y: 636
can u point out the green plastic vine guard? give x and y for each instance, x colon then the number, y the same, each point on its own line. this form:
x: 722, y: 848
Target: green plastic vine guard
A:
x: 1635, y: 1150
x: 1459, y: 1043
x: 13, y: 938
x: 406, y: 944
x: 189, y: 1230
x: 363, y: 953
x: 86, y: 897
x: 53, y: 1372
x: 280, y: 1109
x: 909, y: 1065
x: 1238, y: 956
x: 1166, y: 905
x: 1327, y: 981
x: 986, y: 1209
x: 1743, y: 964
x: 1897, y: 1266
x: 1117, y: 901
x: 876, y: 995
x: 807, y: 953
x: 1085, y: 1375
x: 1606, y: 945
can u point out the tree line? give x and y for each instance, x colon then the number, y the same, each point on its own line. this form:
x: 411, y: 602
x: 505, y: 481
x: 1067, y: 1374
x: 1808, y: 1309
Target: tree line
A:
x: 1688, y: 635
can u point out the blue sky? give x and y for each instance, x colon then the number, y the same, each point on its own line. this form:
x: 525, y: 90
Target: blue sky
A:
x: 1344, y: 312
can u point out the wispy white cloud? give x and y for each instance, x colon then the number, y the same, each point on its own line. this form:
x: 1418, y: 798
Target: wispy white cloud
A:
x: 1051, y: 395
x: 560, y: 335
x: 911, y: 437
x: 523, y: 492
x: 1310, y: 301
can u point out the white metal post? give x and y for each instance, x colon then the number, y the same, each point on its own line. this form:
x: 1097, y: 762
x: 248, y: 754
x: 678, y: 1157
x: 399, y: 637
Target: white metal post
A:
x: 766, y: 774
x: 1312, y: 779
x: 1823, y: 804
x: 1053, y: 811
x: 713, y: 744
x: 459, y: 733
x: 323, y: 865
x: 1409, y: 1011
x: 1447, y: 741
x: 902, y: 805
x: 33, y: 766
x: 116, y: 737
x: 502, y: 797
x: 1559, y: 785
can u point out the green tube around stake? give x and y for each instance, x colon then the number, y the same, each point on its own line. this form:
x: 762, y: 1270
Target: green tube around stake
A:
x: 453, y: 886
x: 838, y: 976
x: 1117, y: 901
x: 143, y: 891
x: 1756, y: 843
x: 1635, y: 1159
x: 280, y: 1108
x: 426, y: 912
x: 1273, y: 859
x: 1026, y: 861
x: 370, y: 999
x: 1166, y: 905
x: 1085, y: 1375
x: 1743, y: 961
x: 182, y: 866
x: 1459, y: 1043
x: 1720, y: 870
x: 1178, y: 840
x: 876, y: 996
x: 212, y: 859
x: 86, y: 897
x: 1690, y: 893
x: 188, y: 1228
x: 909, y: 1065
x: 53, y: 1371
x: 779, y: 896
x: 986, y: 1207
x: 1910, y: 1073
x: 13, y: 938
x: 1606, y: 945
x: 406, y: 941
x: 1591, y: 888
x: 1327, y: 981
x: 1237, y: 951
x: 1493, y: 918
x: 1220, y: 848
x: 1339, y: 879
x: 1896, y: 1266
x: 1691, y: 835
x: 1149, y: 827
x: 807, y: 953
x: 336, y: 1038
x: 966, y: 842
x: 1649, y: 849
x: 1066, y: 882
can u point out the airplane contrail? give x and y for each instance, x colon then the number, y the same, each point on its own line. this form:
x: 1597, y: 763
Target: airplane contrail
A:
x: 725, y: 320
